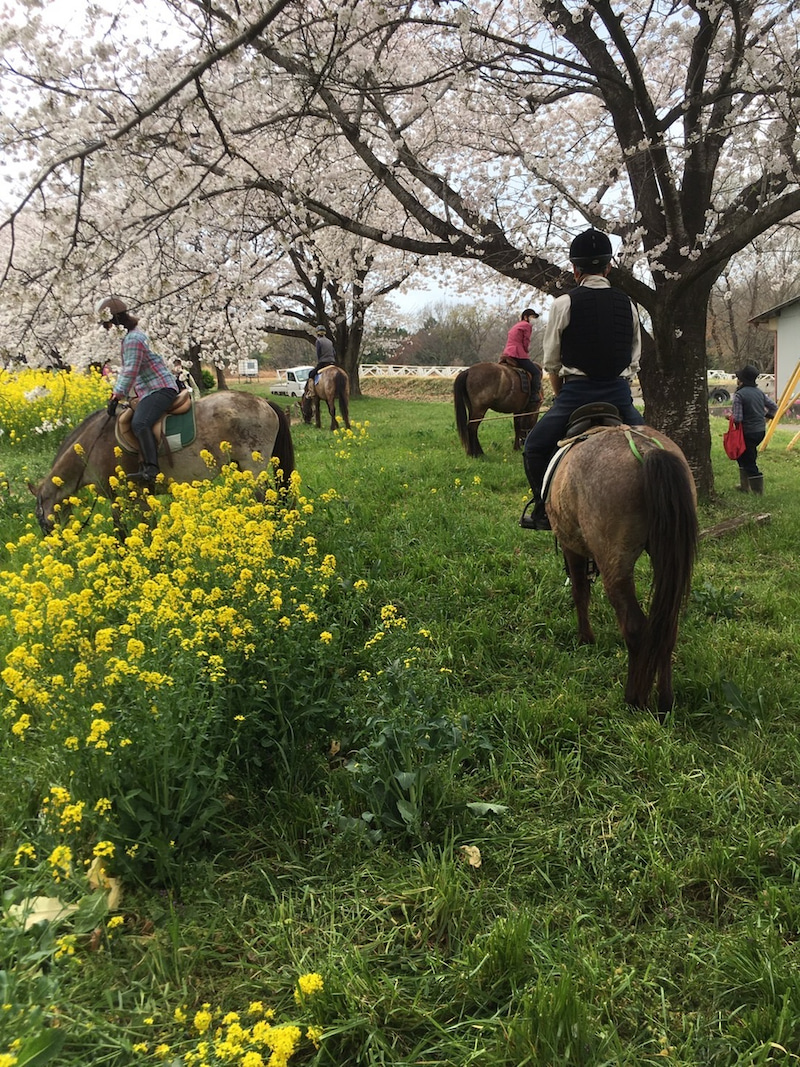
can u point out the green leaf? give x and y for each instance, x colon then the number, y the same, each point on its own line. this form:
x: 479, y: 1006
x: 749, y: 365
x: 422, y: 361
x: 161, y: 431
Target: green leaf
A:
x: 487, y: 809
x: 40, y: 1049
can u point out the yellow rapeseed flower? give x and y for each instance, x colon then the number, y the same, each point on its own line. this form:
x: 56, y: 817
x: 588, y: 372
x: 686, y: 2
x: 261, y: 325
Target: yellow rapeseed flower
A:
x: 308, y: 984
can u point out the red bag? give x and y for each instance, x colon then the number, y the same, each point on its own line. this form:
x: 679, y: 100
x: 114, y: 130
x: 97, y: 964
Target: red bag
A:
x: 733, y: 440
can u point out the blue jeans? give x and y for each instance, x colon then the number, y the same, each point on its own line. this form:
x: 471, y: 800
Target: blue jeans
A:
x: 542, y: 441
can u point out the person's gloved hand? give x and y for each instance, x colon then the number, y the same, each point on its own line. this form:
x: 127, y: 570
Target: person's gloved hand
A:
x: 112, y: 407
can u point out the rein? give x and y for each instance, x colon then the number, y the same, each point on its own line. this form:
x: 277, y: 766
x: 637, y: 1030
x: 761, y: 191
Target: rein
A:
x: 85, y: 459
x: 513, y: 415
x: 629, y: 432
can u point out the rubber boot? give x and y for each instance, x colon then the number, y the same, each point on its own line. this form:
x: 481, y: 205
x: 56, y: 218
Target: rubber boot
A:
x: 744, y: 481
x: 757, y: 485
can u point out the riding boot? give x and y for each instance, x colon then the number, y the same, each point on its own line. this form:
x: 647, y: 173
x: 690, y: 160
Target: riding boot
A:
x: 744, y: 481
x: 757, y: 485
x: 535, y: 467
x: 148, y: 450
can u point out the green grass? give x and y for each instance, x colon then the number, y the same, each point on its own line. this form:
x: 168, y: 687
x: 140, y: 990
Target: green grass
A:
x: 637, y: 897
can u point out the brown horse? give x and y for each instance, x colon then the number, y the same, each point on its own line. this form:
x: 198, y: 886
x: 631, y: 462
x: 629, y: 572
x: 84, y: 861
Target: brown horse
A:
x: 333, y: 385
x: 249, y: 423
x: 615, y: 494
x: 495, y: 386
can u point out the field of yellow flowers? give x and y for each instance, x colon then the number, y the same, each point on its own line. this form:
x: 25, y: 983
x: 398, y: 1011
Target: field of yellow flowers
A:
x: 323, y: 777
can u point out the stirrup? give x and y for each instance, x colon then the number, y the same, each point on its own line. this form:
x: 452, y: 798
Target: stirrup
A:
x: 537, y: 519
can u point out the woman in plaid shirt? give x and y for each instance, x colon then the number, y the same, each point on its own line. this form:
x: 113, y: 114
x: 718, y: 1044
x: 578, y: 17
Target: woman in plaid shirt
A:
x: 145, y: 374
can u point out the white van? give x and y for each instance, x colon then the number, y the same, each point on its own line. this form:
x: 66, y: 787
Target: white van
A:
x: 293, y: 384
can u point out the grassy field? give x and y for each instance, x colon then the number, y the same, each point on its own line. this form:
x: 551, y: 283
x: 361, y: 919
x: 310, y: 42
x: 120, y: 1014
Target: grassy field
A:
x: 485, y: 855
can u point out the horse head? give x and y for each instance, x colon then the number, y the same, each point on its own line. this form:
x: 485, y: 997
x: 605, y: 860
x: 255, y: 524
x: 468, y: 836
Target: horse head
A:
x: 306, y: 405
x: 44, y: 506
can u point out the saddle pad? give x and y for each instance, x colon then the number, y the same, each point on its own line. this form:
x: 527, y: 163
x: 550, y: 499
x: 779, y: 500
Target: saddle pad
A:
x: 180, y: 430
x: 177, y: 430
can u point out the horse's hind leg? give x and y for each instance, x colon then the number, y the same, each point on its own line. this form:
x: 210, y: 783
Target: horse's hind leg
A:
x: 581, y: 589
x: 633, y: 626
x: 476, y: 417
x: 332, y: 410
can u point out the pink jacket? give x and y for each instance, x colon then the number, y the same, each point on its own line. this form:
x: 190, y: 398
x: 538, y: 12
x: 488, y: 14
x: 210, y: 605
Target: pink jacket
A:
x: 519, y: 340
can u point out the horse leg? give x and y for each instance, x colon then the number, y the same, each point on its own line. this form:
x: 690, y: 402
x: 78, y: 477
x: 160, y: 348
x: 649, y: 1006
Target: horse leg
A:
x: 632, y: 622
x: 332, y: 410
x: 666, y: 697
x: 581, y: 589
x: 476, y: 418
x: 317, y: 420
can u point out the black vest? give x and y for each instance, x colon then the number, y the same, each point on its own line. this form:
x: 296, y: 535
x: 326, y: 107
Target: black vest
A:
x: 599, y: 337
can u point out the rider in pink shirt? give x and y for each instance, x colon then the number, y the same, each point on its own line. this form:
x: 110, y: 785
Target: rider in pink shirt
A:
x: 518, y: 346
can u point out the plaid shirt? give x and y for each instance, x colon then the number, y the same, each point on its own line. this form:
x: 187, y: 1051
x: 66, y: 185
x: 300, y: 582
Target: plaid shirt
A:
x: 143, y: 371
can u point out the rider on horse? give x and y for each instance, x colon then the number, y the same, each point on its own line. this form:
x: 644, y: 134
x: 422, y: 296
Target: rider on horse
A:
x: 516, y: 352
x: 592, y: 345
x: 325, y: 352
x: 145, y: 373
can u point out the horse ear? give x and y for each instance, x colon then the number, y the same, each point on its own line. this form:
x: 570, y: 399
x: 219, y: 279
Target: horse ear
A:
x: 33, y: 488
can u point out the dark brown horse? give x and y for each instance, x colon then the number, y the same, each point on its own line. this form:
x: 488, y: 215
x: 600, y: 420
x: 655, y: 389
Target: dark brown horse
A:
x: 614, y: 495
x: 248, y: 423
x: 495, y: 386
x: 333, y: 386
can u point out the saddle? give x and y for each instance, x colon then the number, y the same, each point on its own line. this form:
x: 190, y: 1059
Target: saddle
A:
x: 590, y: 415
x: 525, y: 378
x: 589, y: 418
x: 312, y: 380
x: 175, y: 430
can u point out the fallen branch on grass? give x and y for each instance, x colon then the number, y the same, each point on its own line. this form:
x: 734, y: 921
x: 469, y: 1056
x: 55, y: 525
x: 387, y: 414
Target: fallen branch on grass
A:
x: 729, y: 525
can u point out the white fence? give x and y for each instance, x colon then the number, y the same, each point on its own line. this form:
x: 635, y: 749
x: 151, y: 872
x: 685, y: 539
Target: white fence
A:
x: 383, y: 370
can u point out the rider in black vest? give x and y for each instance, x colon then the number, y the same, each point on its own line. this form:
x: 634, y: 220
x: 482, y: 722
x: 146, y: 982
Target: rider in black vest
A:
x: 592, y: 345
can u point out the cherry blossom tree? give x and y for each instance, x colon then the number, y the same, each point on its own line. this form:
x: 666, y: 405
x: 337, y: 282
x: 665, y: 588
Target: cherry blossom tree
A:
x: 490, y: 134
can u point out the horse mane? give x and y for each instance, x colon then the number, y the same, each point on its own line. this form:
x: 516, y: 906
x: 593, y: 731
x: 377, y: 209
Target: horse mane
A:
x: 74, y: 436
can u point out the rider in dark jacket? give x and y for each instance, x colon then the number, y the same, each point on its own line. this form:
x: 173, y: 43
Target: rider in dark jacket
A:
x: 592, y: 345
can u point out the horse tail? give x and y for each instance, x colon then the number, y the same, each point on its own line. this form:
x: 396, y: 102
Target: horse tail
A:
x: 463, y: 408
x: 283, y: 449
x: 342, y: 395
x: 672, y: 543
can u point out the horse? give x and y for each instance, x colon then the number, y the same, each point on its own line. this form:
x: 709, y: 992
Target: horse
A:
x: 616, y: 493
x: 248, y: 423
x: 333, y: 385
x: 500, y: 387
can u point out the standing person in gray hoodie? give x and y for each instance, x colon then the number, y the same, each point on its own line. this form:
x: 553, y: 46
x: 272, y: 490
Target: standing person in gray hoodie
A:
x: 751, y: 408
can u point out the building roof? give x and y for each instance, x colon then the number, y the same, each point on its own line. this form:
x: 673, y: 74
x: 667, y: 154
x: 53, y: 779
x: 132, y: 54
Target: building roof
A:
x: 770, y: 313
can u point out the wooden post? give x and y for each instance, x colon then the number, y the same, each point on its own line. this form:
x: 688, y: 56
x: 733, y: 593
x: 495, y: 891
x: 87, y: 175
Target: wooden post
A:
x: 787, y: 396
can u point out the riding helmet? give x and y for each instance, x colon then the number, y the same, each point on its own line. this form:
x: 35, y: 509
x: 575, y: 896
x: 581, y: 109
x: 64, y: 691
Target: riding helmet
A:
x: 320, y: 329
x: 590, y: 249
x: 110, y: 306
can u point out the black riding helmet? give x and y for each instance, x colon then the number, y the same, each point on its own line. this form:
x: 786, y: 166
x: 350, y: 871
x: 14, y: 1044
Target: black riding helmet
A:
x: 590, y: 251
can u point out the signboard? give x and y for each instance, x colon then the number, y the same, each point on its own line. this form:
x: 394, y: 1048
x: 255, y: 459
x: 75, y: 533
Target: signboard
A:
x: 248, y: 368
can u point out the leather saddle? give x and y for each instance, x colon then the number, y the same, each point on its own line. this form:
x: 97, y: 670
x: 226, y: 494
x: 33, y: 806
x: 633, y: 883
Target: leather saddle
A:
x: 174, y: 430
x: 589, y: 418
x: 314, y: 378
x: 589, y: 415
x: 526, y: 380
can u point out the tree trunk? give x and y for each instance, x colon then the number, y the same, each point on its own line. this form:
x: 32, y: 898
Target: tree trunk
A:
x: 673, y: 376
x: 221, y: 381
x: 348, y: 350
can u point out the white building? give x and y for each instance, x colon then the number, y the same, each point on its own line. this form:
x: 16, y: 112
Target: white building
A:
x: 784, y: 321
